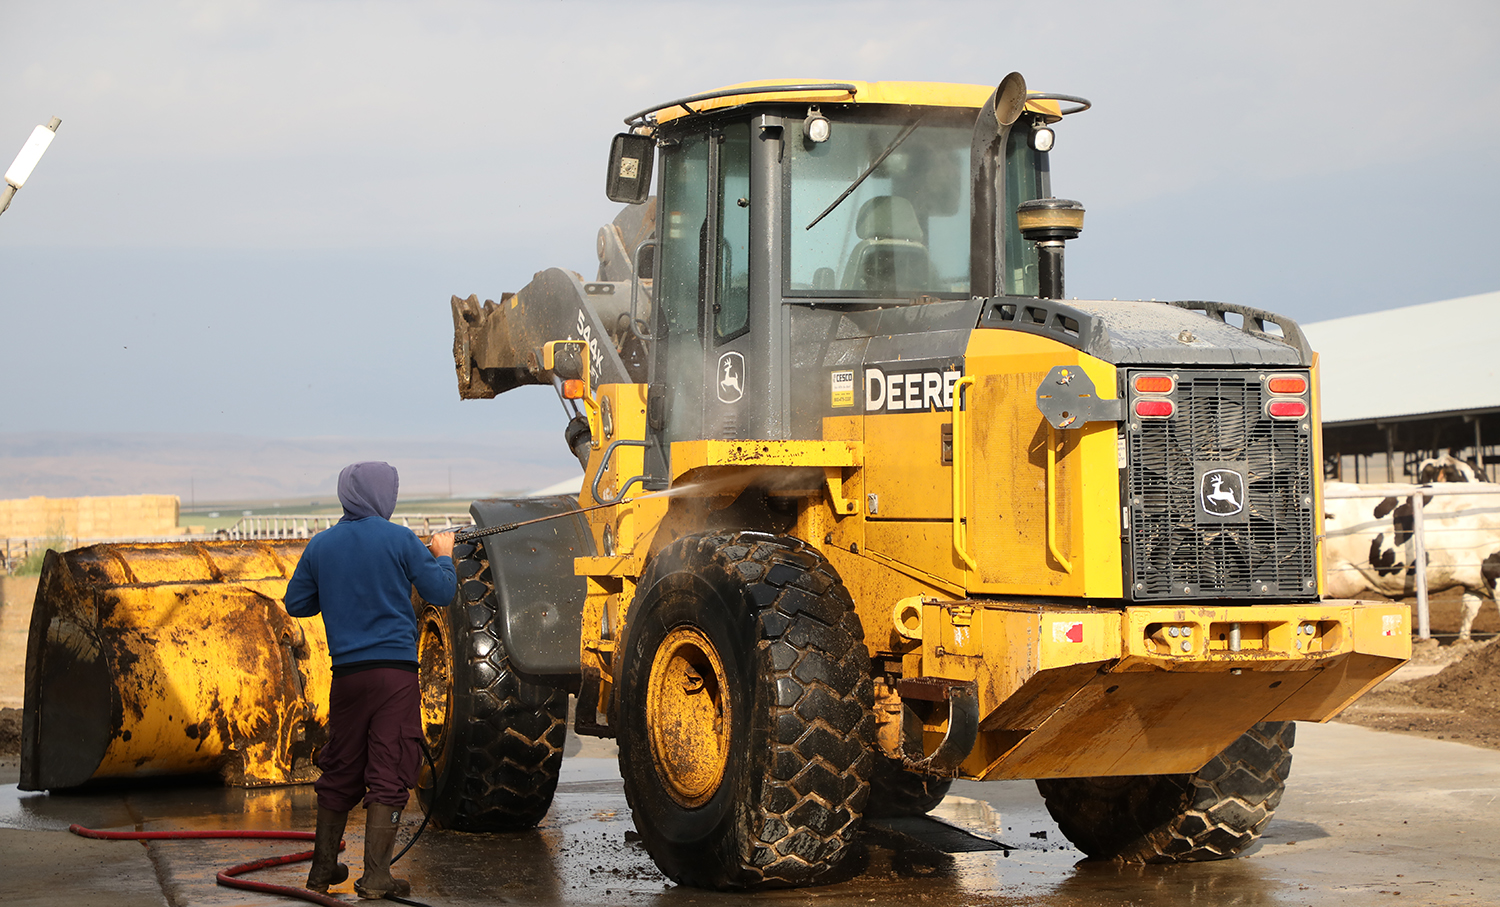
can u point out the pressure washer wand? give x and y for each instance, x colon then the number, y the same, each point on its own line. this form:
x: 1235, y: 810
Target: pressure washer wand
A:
x: 468, y: 534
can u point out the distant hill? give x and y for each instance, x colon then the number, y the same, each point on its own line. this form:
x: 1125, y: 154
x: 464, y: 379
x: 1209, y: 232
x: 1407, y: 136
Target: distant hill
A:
x: 222, y: 467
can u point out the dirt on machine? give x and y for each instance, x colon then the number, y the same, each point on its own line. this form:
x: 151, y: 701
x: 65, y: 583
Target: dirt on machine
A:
x: 868, y: 506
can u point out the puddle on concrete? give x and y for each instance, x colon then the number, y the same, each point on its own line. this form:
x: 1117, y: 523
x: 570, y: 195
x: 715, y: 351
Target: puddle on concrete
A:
x: 988, y: 844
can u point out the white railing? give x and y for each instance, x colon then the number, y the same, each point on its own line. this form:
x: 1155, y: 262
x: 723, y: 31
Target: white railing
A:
x: 14, y: 551
x: 296, y: 526
x: 1419, y: 542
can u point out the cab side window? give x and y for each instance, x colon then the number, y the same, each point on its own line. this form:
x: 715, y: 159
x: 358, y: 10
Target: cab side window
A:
x: 732, y: 302
x: 683, y: 188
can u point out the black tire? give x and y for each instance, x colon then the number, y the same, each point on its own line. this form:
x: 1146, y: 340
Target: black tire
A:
x: 497, y: 741
x: 896, y: 793
x: 772, y: 796
x: 1212, y: 814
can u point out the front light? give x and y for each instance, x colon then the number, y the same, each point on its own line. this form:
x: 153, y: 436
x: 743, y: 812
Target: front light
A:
x: 816, y: 127
x: 1042, y: 138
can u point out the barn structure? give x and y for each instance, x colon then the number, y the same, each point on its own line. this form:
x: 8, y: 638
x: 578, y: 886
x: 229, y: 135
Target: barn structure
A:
x: 1408, y: 384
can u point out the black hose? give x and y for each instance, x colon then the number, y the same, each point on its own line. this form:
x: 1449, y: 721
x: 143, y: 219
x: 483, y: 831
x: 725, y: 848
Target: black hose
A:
x: 464, y: 535
x: 426, y: 814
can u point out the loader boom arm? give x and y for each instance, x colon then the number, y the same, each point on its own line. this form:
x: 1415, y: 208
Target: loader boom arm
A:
x: 497, y: 347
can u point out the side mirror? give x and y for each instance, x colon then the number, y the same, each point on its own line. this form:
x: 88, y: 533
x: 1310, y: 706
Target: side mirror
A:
x: 1010, y: 99
x: 630, y: 160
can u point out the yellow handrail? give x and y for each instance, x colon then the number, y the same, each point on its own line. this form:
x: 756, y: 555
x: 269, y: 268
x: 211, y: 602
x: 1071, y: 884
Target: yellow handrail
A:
x: 1067, y: 565
x: 961, y: 473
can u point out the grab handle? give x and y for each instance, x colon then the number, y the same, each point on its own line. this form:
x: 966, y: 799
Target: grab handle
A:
x: 961, y: 473
x: 1067, y: 565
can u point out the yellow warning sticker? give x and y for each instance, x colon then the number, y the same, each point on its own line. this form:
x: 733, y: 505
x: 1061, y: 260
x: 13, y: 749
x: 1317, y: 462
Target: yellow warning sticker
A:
x: 843, y: 388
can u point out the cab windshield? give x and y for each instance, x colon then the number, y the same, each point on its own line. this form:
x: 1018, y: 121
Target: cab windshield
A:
x: 903, y: 232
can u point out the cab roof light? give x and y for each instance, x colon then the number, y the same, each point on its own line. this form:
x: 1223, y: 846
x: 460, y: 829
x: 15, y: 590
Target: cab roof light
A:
x: 1286, y: 384
x: 816, y: 127
x: 1155, y: 384
x: 1154, y: 408
x: 1282, y: 408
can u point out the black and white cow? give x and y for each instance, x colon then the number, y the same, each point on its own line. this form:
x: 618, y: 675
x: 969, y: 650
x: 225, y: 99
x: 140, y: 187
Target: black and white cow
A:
x: 1445, y: 469
x: 1369, y: 543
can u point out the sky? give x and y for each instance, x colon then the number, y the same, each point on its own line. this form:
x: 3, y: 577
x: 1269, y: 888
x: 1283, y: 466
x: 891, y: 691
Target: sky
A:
x: 254, y: 213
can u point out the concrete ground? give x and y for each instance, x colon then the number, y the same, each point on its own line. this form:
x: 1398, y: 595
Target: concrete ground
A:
x: 1368, y: 818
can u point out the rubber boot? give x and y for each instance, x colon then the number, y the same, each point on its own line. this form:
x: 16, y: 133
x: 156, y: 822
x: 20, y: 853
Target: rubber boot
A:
x: 381, y: 822
x: 326, y: 869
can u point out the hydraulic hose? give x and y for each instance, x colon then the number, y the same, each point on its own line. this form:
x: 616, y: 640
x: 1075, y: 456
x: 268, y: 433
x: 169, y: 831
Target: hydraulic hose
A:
x: 465, y: 535
x: 426, y: 814
x: 229, y: 877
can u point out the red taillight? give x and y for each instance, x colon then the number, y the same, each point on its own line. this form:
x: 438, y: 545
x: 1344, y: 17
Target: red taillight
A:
x: 1154, y: 384
x: 1154, y: 409
x: 1287, y: 409
x: 1287, y: 384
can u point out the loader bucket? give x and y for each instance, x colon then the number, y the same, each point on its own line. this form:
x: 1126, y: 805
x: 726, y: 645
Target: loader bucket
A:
x: 171, y: 659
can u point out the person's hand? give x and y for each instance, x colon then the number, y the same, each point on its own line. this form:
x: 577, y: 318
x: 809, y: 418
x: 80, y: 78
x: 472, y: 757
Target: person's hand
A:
x: 441, y: 544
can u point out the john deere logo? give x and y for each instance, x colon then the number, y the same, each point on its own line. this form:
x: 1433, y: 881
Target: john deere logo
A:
x: 1221, y: 492
x: 731, y: 377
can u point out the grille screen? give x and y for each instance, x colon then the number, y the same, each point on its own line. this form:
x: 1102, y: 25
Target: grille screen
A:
x: 1220, y: 494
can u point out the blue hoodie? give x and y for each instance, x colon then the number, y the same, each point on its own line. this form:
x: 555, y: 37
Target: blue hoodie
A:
x: 359, y: 574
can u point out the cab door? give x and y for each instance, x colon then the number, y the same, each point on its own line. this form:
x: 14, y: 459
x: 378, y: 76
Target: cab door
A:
x: 736, y: 390
x: 703, y: 298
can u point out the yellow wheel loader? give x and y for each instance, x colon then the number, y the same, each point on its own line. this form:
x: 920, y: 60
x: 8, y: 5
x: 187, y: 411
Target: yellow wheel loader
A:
x: 872, y: 506
x: 868, y: 506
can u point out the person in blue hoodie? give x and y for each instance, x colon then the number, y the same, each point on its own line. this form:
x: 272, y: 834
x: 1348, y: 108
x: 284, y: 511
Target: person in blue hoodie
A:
x: 359, y: 574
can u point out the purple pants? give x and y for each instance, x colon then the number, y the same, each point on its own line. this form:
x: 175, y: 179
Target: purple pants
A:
x: 373, y: 750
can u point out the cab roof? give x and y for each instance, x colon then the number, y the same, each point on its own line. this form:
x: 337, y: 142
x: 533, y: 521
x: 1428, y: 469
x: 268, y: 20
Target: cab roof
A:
x: 819, y: 91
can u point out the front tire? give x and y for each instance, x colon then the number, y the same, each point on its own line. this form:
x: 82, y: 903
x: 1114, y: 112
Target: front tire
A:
x: 1212, y: 814
x: 497, y: 740
x: 745, y: 705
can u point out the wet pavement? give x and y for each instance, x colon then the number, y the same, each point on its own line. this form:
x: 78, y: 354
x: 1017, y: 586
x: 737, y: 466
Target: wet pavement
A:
x: 1368, y: 818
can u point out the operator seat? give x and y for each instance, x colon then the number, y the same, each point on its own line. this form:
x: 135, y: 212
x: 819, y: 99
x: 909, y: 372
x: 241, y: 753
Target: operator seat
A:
x: 891, y: 257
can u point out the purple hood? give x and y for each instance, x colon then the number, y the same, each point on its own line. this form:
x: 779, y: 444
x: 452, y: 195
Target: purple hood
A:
x: 368, y: 489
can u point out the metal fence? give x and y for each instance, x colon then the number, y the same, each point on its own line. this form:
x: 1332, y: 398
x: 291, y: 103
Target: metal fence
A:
x: 296, y: 526
x: 14, y: 551
x: 1469, y: 536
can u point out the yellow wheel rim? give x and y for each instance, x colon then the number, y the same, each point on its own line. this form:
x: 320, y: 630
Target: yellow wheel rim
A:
x: 688, y: 716
x: 436, y: 683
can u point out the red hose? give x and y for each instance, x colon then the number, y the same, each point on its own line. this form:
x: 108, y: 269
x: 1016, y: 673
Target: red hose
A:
x: 227, y: 876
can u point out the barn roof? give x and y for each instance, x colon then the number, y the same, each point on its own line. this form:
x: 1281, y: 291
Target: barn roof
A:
x: 1439, y: 357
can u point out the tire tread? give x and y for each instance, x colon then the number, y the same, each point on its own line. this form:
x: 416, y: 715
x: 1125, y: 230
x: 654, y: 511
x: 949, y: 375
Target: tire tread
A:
x: 507, y: 753
x: 813, y: 737
x: 1213, y: 814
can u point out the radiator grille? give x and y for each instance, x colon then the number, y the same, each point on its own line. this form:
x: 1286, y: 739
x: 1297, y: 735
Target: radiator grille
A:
x: 1177, y: 548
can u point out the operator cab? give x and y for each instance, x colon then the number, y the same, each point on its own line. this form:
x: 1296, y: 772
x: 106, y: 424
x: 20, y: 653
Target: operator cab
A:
x: 779, y: 198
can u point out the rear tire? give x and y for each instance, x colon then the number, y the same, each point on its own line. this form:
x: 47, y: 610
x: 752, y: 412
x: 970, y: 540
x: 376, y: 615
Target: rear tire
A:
x: 745, y: 713
x: 497, y: 740
x: 896, y: 793
x: 1212, y: 814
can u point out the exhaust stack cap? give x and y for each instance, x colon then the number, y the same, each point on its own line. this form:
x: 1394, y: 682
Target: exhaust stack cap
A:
x: 1050, y: 219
